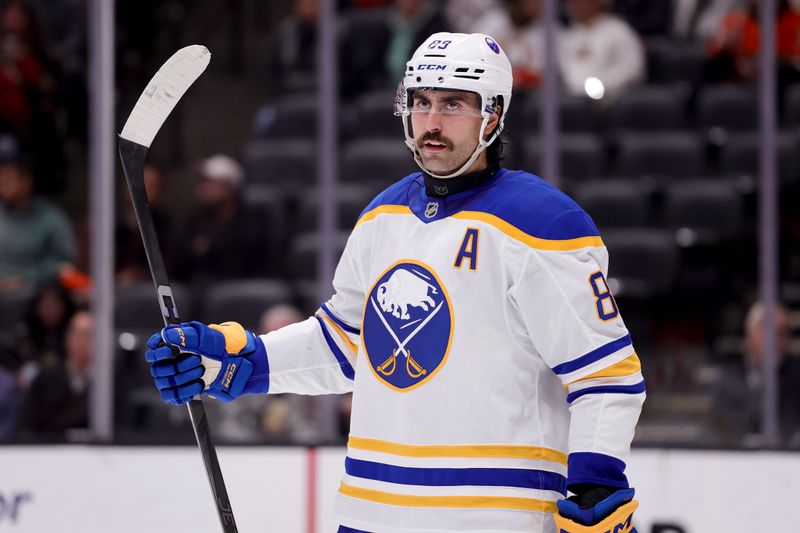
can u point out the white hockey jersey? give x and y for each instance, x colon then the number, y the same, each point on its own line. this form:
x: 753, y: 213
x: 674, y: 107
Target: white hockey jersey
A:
x: 489, y: 365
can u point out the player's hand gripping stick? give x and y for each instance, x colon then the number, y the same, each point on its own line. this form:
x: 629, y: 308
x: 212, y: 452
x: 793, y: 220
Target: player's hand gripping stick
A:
x: 221, y: 360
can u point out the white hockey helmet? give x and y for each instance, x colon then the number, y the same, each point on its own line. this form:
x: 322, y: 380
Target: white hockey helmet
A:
x: 471, y: 62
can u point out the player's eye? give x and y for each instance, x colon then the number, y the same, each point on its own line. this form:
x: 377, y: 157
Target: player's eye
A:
x: 421, y: 105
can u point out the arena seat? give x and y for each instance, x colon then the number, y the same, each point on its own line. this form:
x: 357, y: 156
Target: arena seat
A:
x: 304, y: 250
x: 243, y: 300
x: 727, y: 108
x: 292, y: 117
x: 374, y: 114
x: 613, y: 203
x: 352, y: 198
x: 703, y: 212
x: 376, y: 161
x: 659, y: 154
x: 642, y: 262
x: 283, y: 163
x: 581, y: 156
x: 740, y: 156
x: 648, y: 108
x: 137, y: 306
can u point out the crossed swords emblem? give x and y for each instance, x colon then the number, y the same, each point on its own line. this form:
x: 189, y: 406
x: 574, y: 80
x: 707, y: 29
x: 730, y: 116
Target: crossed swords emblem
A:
x: 413, y: 368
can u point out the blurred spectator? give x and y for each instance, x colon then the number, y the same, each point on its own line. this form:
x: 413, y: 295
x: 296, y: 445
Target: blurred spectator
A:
x: 222, y: 238
x: 131, y: 260
x: 40, y: 343
x: 478, y: 16
x: 698, y: 19
x: 64, y: 23
x: 740, y: 387
x: 411, y: 22
x: 254, y: 418
x: 733, y: 49
x: 36, y: 238
x: 279, y: 316
x: 523, y: 42
x: 27, y: 94
x: 58, y: 398
x: 10, y: 396
x: 788, y: 29
x: 292, y: 51
x: 24, y: 73
x: 648, y: 18
x: 293, y: 418
x: 600, y: 54
x: 375, y: 51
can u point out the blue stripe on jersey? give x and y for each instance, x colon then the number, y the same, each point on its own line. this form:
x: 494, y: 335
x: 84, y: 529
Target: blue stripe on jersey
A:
x: 446, y: 477
x: 345, y: 529
x: 589, y: 468
x: 593, y: 356
x: 528, y: 203
x: 347, y: 369
x: 395, y: 194
x: 524, y: 200
x: 339, y: 322
x: 607, y: 389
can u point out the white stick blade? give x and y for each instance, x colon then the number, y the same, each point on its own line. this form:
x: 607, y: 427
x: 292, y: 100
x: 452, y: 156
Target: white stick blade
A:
x: 163, y: 93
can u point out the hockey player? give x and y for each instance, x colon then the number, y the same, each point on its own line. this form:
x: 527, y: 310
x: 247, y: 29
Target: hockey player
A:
x: 490, y: 368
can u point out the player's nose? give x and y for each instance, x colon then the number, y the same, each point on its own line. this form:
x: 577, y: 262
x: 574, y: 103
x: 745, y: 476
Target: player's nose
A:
x: 433, y: 122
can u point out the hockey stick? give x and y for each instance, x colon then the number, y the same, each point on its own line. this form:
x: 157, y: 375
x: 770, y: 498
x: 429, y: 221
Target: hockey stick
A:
x: 162, y: 93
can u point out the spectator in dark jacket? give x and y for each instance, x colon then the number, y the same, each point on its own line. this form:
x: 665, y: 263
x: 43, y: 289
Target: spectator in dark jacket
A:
x: 222, y: 238
x: 58, y: 398
x: 375, y: 50
x: 292, y: 51
x: 741, y: 385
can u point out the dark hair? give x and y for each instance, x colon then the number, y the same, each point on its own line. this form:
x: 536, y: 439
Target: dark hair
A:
x: 494, y: 152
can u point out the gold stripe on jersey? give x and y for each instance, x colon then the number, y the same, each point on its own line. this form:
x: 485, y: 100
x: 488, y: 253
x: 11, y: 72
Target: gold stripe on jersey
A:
x: 350, y: 344
x: 384, y: 210
x: 626, y: 367
x: 530, y: 240
x: 475, y: 502
x: 486, y: 451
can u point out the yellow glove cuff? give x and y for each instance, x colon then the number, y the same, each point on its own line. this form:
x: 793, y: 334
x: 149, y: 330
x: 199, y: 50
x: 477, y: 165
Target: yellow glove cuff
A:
x: 235, y: 336
x: 620, y: 521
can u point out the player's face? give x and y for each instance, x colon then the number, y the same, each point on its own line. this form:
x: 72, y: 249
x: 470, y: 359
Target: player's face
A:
x: 446, y: 126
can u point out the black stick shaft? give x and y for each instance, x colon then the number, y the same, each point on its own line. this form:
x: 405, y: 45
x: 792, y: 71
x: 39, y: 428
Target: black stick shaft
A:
x: 133, y: 157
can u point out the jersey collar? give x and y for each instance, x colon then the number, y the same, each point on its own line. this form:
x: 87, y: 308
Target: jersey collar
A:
x: 432, y: 208
x: 442, y: 188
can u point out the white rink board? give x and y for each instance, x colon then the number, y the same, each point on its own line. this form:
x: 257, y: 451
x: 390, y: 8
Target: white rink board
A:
x: 83, y: 489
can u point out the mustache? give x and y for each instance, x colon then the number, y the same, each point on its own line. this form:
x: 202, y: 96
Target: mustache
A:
x: 435, y: 137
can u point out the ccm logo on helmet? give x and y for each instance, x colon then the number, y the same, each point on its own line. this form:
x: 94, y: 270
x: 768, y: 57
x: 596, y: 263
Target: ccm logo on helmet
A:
x: 432, y: 67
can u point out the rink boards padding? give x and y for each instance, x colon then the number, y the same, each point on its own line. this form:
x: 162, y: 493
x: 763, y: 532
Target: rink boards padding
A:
x: 87, y: 488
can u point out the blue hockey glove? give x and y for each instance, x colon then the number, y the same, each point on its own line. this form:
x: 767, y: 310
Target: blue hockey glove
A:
x: 598, y: 510
x: 221, y: 360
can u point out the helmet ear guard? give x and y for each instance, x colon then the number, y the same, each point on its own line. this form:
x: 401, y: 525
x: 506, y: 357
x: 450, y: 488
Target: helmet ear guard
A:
x: 458, y: 62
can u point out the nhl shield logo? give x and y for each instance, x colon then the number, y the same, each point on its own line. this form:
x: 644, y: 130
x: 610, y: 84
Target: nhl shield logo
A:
x: 408, y: 325
x: 431, y: 209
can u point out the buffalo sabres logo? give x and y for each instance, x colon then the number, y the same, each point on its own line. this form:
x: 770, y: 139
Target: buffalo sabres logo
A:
x: 408, y: 325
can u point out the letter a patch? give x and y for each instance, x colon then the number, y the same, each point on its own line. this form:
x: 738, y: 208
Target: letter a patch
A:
x: 468, y: 250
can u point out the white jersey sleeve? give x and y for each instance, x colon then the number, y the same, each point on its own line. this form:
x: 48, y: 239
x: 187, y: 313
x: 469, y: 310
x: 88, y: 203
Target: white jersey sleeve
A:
x: 317, y: 356
x: 575, y: 325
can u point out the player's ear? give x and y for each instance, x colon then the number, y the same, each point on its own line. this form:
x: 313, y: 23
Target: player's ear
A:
x: 494, y: 120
